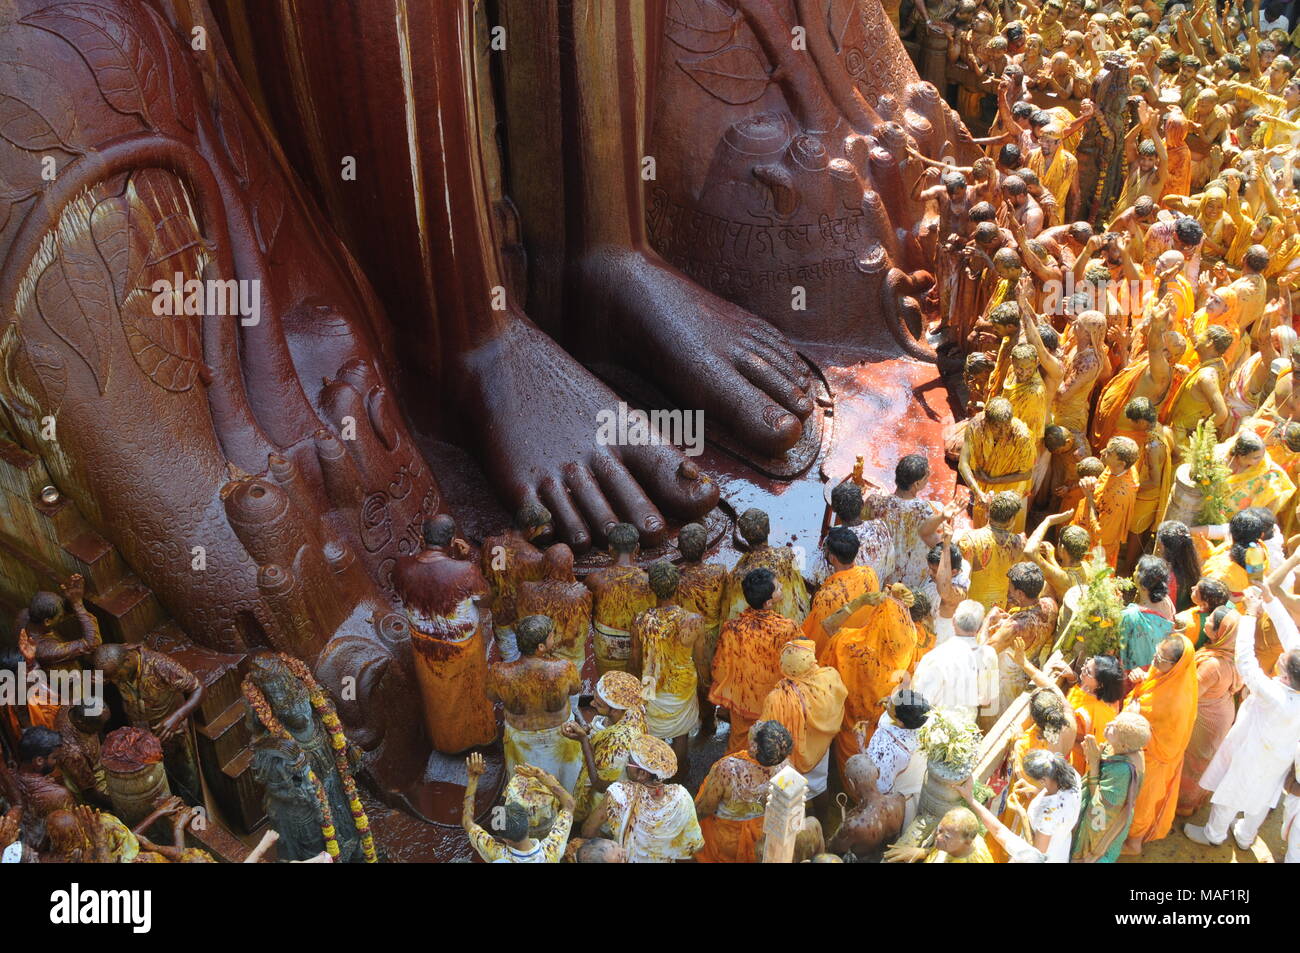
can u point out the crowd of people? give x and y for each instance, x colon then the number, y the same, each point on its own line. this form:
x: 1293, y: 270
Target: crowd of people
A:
x: 1115, y: 273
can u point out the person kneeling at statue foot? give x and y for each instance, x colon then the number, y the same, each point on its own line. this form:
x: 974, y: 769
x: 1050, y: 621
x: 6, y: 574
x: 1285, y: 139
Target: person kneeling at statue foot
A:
x: 535, y: 692
x: 159, y: 694
x: 654, y: 822
x: 513, y: 843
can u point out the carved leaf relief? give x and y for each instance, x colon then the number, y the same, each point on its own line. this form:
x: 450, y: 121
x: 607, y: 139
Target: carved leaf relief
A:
x: 75, y: 301
x: 700, y: 26
x: 232, y: 136
x: 145, y: 235
x: 35, y: 115
x: 179, y: 84
x: 123, y: 67
x: 736, y: 75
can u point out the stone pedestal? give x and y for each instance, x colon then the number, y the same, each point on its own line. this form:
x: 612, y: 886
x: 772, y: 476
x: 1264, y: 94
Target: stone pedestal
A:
x: 784, y: 816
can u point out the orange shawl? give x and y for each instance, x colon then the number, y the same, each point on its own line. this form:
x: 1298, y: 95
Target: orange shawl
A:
x: 809, y: 702
x: 1168, y: 701
x: 835, y: 593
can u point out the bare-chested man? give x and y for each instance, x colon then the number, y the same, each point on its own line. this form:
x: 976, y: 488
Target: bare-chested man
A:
x: 1134, y: 222
x: 620, y: 593
x: 566, y: 602
x: 1019, y: 205
x: 754, y: 527
x: 701, y: 590
x: 534, y: 691
x: 507, y: 560
x: 41, y: 619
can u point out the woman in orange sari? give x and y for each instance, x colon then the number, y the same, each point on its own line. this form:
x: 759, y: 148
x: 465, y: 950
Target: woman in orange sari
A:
x: 1217, y: 686
x: 733, y: 797
x: 1166, y: 698
x: 1095, y: 702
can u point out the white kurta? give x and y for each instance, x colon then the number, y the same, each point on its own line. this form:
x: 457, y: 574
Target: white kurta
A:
x: 960, y: 674
x: 1247, y: 771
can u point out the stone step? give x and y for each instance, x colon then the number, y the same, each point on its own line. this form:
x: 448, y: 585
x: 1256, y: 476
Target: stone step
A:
x: 128, y: 612
x: 97, y: 560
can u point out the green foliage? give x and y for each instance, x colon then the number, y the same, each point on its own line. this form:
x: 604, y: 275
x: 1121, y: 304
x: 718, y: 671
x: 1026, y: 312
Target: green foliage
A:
x: 950, y: 739
x: 1209, y: 474
x: 1094, y: 627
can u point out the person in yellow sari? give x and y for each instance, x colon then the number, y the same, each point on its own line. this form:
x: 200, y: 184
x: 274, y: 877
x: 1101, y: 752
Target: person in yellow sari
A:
x: 1241, y: 561
x: 809, y: 702
x: 1166, y: 698
x: 842, y: 591
x: 1256, y: 478
x: 733, y: 796
x: 1024, y: 388
x: 997, y: 454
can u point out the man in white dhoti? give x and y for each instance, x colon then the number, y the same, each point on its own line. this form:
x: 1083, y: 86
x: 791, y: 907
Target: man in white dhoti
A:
x: 667, y: 653
x: 534, y: 692
x: 653, y: 822
x: 1248, y: 771
x: 962, y: 673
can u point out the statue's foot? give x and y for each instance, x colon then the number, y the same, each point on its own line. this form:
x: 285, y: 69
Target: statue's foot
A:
x: 706, y: 352
x: 543, y: 434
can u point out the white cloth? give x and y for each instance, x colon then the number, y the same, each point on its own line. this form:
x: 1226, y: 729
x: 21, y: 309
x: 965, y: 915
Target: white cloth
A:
x: 668, y: 716
x: 1220, y: 825
x: 653, y: 832
x: 875, y: 549
x: 896, y: 753
x: 547, y: 749
x: 816, y: 778
x: 1291, y: 829
x: 1247, y: 771
x: 1055, y: 815
x: 961, y: 675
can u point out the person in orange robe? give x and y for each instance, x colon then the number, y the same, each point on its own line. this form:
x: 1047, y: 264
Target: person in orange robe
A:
x: 1218, y: 683
x: 843, y: 589
x: 747, y: 663
x: 441, y: 589
x: 871, y: 660
x: 733, y: 796
x: 809, y: 702
x: 1166, y: 698
x: 1106, y: 510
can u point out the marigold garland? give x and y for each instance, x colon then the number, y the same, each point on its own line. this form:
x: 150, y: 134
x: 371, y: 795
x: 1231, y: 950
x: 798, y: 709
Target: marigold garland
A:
x: 323, y: 706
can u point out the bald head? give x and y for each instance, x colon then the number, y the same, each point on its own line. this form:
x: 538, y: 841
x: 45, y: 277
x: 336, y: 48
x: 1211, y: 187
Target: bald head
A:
x: 601, y: 850
x: 558, y: 562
